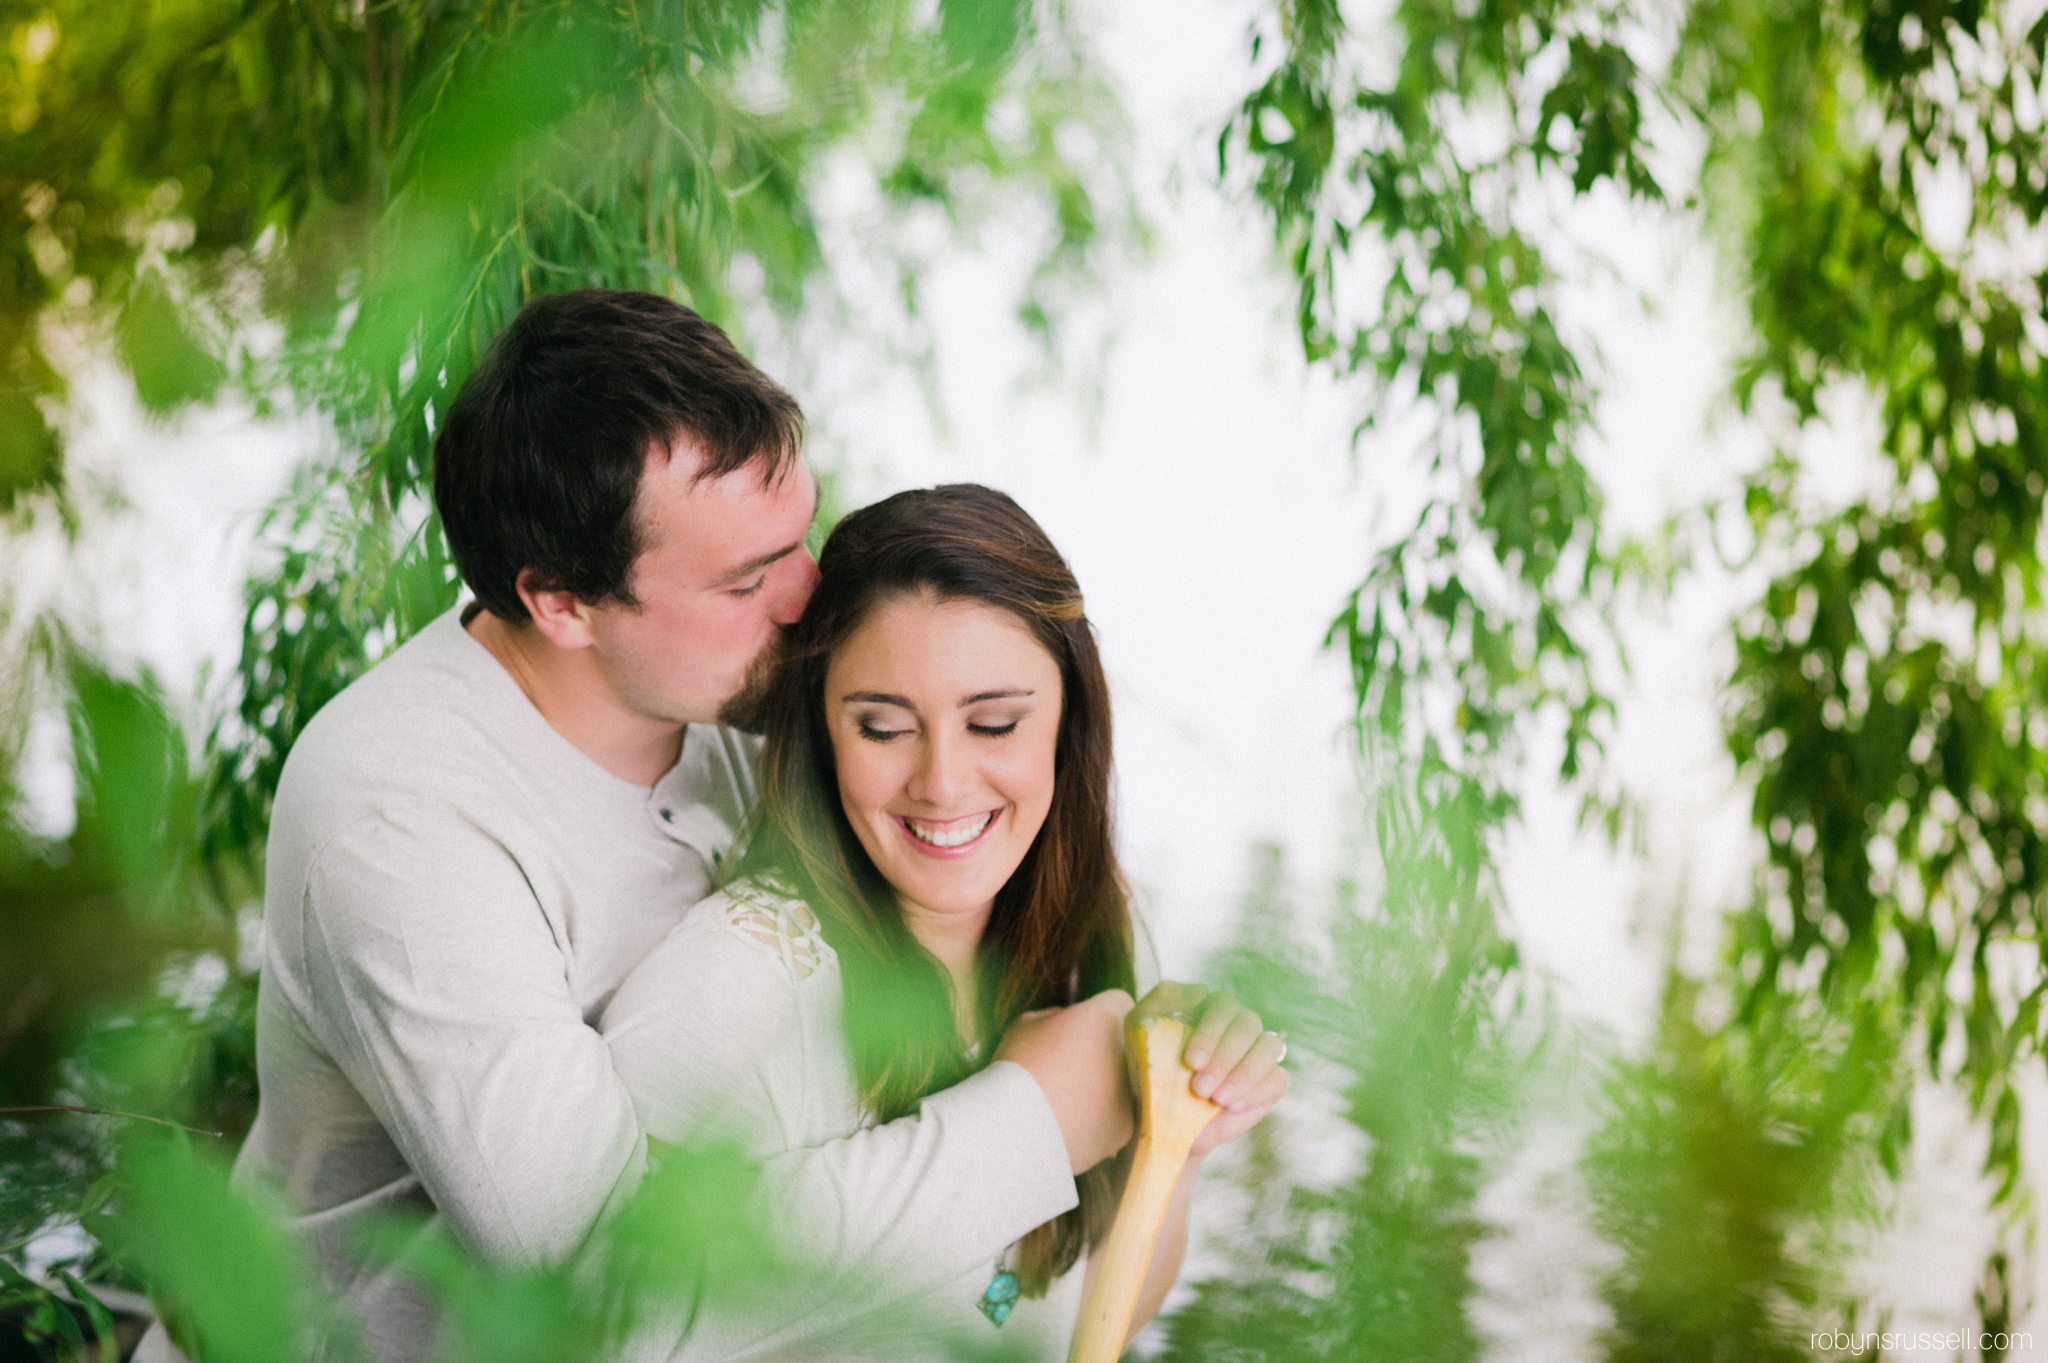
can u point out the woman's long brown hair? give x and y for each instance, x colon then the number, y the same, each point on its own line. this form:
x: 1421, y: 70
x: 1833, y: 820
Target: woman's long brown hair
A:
x: 1061, y: 927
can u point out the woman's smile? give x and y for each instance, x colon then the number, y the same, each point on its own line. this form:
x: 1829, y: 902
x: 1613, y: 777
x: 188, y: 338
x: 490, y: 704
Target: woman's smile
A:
x: 948, y: 837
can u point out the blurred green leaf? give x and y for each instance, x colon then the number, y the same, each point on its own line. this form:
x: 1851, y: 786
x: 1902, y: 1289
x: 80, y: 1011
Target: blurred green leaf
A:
x: 982, y: 34
x: 134, y: 803
x: 28, y: 447
x: 228, y: 1277
x: 171, y: 367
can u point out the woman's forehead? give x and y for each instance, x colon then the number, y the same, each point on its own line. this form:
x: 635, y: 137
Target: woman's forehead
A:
x: 942, y: 650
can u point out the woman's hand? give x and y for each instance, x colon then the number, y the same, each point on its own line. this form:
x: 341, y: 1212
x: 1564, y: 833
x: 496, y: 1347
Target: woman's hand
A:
x: 1236, y: 1062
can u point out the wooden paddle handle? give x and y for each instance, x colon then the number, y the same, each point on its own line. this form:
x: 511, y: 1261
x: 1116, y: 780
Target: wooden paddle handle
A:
x: 1170, y: 1116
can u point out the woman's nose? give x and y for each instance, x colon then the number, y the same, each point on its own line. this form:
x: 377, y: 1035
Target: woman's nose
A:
x: 943, y: 772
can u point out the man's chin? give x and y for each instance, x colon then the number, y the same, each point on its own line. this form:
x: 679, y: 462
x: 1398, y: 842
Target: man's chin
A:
x: 747, y: 709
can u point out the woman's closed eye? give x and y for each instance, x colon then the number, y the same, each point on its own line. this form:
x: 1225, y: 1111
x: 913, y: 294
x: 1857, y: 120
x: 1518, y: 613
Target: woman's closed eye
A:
x: 876, y: 729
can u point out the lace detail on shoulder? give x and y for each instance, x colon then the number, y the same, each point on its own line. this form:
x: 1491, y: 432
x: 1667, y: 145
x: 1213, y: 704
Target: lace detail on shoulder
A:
x: 767, y: 913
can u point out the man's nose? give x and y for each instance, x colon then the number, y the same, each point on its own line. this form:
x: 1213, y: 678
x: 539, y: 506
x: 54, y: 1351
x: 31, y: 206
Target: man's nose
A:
x: 795, y: 594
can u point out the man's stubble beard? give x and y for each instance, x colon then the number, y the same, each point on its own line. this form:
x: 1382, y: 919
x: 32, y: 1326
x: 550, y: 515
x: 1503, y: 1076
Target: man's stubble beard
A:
x: 747, y: 708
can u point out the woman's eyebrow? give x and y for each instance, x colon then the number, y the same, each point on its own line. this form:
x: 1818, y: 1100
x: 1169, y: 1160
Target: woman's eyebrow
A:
x: 875, y: 698
x: 888, y: 698
x: 1014, y: 693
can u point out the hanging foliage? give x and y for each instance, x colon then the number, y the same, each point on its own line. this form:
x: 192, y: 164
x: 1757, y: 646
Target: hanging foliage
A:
x: 1875, y: 176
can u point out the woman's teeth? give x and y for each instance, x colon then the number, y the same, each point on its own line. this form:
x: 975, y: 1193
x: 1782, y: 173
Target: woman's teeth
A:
x: 952, y: 834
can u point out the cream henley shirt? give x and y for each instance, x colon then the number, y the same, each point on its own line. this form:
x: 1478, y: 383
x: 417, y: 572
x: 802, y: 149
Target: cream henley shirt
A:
x: 454, y: 893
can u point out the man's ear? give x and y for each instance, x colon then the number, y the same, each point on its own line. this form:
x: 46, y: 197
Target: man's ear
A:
x: 560, y: 616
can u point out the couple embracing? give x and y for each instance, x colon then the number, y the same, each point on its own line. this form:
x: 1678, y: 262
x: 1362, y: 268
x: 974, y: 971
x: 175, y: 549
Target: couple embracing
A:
x: 540, y: 900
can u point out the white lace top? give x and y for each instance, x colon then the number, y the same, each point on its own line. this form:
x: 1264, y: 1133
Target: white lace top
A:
x: 732, y: 1028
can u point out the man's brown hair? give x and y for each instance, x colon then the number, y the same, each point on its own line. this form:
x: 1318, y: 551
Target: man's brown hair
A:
x: 539, y: 460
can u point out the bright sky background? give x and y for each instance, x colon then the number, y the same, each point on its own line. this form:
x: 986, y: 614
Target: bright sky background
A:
x: 1216, y: 518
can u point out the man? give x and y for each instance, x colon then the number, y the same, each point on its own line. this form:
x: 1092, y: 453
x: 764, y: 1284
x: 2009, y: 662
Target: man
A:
x: 474, y: 843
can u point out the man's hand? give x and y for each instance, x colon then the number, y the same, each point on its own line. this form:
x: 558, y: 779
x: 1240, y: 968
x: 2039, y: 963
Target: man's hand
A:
x: 1077, y: 1056
x: 1235, y: 1061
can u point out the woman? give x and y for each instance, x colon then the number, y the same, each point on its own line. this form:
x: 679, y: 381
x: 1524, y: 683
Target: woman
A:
x: 931, y: 860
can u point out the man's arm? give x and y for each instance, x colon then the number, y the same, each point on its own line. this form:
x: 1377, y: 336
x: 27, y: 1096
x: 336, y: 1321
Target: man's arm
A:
x: 426, y: 970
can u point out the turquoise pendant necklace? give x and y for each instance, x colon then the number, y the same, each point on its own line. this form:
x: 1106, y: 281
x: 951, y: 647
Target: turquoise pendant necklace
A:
x: 999, y: 1296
